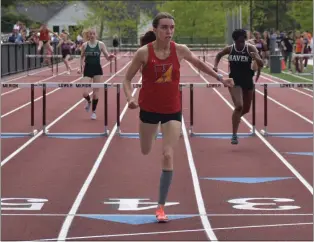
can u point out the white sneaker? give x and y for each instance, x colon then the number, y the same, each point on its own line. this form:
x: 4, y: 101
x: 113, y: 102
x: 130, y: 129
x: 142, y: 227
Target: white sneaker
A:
x: 93, y: 116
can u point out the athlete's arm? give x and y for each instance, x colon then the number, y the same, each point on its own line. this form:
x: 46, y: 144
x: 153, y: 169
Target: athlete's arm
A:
x: 255, y: 55
x: 103, y: 49
x: 60, y: 43
x: 186, y: 53
x: 82, y: 54
x: 135, y: 65
x: 220, y: 54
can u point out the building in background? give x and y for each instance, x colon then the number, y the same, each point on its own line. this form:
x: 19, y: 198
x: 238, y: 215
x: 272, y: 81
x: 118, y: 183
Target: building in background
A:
x: 67, y: 14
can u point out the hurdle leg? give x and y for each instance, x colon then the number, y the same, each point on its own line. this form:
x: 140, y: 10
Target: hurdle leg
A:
x: 264, y: 131
x: 191, y: 108
x: 118, y: 110
x: 253, y: 111
x: 33, y: 131
x: 115, y: 65
x: 44, y: 109
x: 106, y: 108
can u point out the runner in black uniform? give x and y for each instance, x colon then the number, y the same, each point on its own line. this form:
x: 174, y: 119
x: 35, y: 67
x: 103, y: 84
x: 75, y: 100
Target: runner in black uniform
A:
x: 91, y: 51
x: 243, y: 61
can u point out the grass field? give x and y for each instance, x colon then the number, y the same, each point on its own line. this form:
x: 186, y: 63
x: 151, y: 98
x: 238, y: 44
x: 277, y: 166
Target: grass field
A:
x: 292, y: 77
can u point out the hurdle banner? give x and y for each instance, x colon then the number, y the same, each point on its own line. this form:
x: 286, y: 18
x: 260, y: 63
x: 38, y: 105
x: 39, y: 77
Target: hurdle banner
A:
x: 264, y: 131
x: 33, y: 131
x: 136, y: 135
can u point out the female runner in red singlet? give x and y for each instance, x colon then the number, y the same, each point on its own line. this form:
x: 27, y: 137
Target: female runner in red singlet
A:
x: 44, y: 38
x: 159, y: 97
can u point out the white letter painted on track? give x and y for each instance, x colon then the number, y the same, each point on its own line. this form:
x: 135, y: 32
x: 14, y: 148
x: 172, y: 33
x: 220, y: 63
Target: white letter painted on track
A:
x: 245, y: 204
x: 135, y: 204
x: 28, y: 204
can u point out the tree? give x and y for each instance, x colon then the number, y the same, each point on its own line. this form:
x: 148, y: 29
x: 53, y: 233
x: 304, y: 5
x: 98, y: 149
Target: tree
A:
x: 196, y: 20
x: 112, y: 17
x: 302, y: 12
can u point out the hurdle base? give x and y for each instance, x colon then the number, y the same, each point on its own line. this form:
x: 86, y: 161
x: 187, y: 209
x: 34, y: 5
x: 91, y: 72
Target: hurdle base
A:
x: 137, y: 135
x: 287, y: 135
x: 76, y: 135
x: 18, y: 135
x: 221, y: 135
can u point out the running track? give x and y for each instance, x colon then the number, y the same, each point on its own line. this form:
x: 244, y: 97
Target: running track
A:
x: 104, y: 189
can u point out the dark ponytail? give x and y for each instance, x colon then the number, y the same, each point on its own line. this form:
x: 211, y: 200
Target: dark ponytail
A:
x: 148, y: 37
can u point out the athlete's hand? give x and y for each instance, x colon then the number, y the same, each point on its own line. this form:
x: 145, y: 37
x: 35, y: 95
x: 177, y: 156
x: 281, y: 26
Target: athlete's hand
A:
x: 254, y: 55
x: 111, y: 56
x: 78, y: 71
x: 132, y: 103
x: 228, y: 82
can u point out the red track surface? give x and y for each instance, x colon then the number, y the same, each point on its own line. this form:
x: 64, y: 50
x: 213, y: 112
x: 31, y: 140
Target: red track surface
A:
x: 80, y: 176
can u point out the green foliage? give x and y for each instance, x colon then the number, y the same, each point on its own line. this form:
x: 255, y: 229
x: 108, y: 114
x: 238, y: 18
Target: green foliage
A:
x: 109, y: 16
x: 302, y: 12
x: 197, y: 19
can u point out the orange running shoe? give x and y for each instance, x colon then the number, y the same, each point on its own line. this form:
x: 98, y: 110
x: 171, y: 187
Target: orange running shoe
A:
x: 160, y: 215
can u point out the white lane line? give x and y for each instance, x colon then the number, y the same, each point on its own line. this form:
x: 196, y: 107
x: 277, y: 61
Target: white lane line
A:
x: 197, y: 189
x: 68, y: 220
x: 185, y: 231
x: 281, y: 158
x: 13, y: 154
x: 119, y: 214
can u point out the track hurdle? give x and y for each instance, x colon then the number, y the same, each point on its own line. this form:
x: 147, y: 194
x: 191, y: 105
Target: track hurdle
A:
x: 47, y: 133
x: 40, y: 56
x: 58, y: 58
x: 134, y: 135
x: 216, y: 135
x: 32, y: 91
x: 264, y: 131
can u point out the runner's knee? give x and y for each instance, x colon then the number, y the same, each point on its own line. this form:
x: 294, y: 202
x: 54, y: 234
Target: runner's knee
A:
x: 245, y: 109
x: 238, y: 107
x: 167, y: 163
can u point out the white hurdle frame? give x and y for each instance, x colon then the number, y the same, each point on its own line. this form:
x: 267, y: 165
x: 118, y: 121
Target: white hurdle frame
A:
x: 47, y: 133
x: 33, y: 131
x: 264, y: 131
x: 215, y: 135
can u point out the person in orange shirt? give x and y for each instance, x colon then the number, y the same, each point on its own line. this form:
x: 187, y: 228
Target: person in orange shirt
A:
x: 159, y: 98
x: 299, y: 49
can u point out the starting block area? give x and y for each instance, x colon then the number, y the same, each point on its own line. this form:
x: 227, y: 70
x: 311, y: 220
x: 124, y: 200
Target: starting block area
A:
x: 67, y: 177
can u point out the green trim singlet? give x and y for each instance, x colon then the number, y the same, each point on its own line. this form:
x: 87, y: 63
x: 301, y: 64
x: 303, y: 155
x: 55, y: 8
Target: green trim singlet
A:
x: 92, y: 54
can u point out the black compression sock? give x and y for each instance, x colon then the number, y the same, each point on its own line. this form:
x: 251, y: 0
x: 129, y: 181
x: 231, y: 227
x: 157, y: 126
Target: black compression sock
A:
x: 165, y: 181
x: 94, y: 104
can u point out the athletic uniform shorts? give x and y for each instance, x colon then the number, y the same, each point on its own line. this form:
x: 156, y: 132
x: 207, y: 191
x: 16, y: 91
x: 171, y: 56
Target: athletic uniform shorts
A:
x: 155, y: 118
x: 245, y: 83
x: 91, y: 70
x: 65, y: 53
